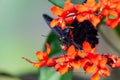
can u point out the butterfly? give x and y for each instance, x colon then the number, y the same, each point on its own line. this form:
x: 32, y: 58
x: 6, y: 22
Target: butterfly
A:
x: 80, y: 32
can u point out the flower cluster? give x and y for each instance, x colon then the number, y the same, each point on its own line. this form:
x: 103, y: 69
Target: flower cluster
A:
x: 76, y: 26
x: 90, y: 10
x: 95, y: 64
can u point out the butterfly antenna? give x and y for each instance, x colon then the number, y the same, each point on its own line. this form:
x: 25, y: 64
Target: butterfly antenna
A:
x: 27, y: 60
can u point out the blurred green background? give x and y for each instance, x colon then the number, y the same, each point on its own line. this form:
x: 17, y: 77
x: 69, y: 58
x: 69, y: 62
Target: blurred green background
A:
x: 21, y: 27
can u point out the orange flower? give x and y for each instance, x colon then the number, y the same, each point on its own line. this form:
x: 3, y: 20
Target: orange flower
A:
x: 102, y: 62
x: 112, y: 22
x: 111, y: 10
x: 71, y: 52
x: 113, y: 60
x: 66, y: 62
x: 70, y: 55
x: 95, y: 64
x: 87, y: 47
x: 108, y: 3
x: 104, y: 72
x: 86, y: 12
x: 90, y: 68
x: 63, y: 68
x: 96, y: 76
x: 43, y: 59
x: 116, y: 64
x: 70, y: 61
x: 112, y: 17
x: 66, y: 15
x: 94, y: 58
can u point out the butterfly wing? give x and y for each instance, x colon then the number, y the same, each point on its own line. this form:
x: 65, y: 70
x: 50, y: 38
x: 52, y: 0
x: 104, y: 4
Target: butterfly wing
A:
x: 57, y: 30
x: 62, y: 34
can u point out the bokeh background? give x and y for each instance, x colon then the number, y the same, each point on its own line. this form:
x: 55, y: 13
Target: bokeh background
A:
x: 21, y: 30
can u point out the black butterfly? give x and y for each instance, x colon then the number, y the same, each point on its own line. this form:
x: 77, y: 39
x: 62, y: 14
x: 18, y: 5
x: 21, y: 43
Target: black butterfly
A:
x: 81, y: 31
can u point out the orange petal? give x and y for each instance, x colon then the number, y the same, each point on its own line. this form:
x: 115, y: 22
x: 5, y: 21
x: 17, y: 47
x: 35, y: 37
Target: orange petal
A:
x: 104, y: 72
x: 94, y: 58
x: 61, y: 59
x: 118, y: 7
x: 112, y: 23
x: 57, y: 67
x: 82, y: 17
x: 39, y: 64
x: 91, y: 69
x: 81, y: 54
x: 54, y: 22
x: 117, y: 64
x: 45, y: 56
x: 103, y: 3
x: 86, y: 46
x: 51, y: 62
x: 96, y: 7
x: 83, y: 62
x: 114, y: 1
x: 71, y: 50
x: 76, y: 65
x: 63, y: 24
x: 69, y: 20
x: 103, y: 62
x: 81, y: 8
x: 95, y: 20
x: 63, y: 69
x: 90, y: 3
x: 68, y: 5
x: 113, y: 6
x: 113, y: 13
x: 105, y: 12
x: 48, y: 49
x: 40, y: 55
x: 96, y: 76
x: 94, y: 49
x: 56, y: 10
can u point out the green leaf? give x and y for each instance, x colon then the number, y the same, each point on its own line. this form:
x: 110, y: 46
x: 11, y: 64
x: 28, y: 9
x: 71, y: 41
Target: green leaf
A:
x: 97, y: 1
x: 61, y: 3
x: 111, y: 17
x: 47, y: 73
x: 103, y: 20
x: 117, y: 29
x: 77, y: 1
x: 54, y: 43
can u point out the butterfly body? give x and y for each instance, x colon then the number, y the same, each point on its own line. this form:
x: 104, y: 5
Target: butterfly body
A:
x: 80, y: 32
